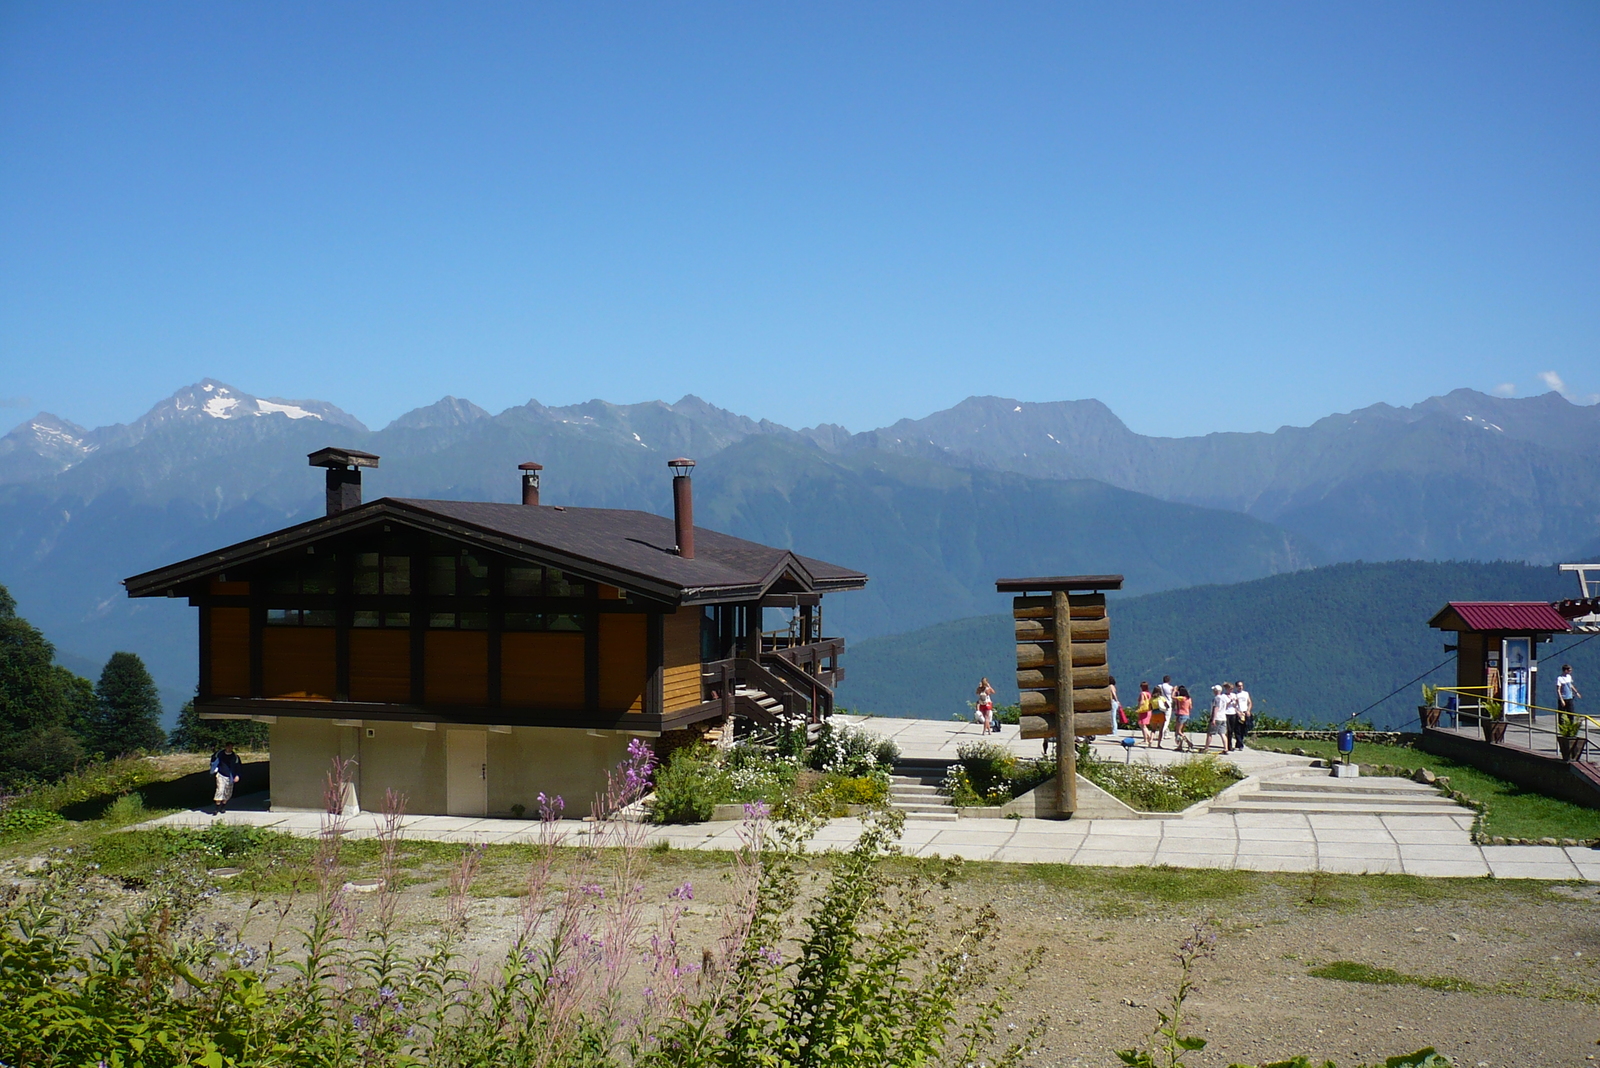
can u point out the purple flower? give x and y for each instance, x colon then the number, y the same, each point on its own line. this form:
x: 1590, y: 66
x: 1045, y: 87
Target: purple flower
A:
x: 550, y: 807
x: 593, y: 889
x: 683, y: 893
x: 756, y: 810
x: 771, y: 955
x: 360, y: 1021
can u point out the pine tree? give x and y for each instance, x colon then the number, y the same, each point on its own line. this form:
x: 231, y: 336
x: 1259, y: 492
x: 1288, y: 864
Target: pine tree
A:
x: 42, y: 705
x: 128, y: 716
x: 194, y: 734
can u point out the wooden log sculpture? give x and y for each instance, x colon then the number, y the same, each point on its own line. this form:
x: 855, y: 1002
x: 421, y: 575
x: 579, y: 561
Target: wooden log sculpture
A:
x: 1063, y: 676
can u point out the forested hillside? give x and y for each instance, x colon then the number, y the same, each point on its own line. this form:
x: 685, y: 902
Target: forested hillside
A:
x: 1313, y: 646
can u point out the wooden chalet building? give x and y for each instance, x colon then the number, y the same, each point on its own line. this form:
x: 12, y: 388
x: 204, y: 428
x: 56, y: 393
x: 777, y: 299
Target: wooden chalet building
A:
x: 475, y: 655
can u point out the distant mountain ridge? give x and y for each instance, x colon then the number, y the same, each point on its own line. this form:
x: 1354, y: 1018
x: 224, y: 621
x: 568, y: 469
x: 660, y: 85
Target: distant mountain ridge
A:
x: 933, y: 509
x: 1463, y: 476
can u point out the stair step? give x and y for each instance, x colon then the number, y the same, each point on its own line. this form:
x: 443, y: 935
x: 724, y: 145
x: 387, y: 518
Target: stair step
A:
x: 1352, y: 797
x: 1354, y: 808
x: 1322, y: 783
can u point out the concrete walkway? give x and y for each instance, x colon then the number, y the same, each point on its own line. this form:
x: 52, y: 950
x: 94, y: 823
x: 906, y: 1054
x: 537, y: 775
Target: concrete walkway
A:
x: 1413, y: 845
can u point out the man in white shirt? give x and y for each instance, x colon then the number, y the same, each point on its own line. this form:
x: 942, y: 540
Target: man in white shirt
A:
x: 1243, y: 713
x: 1566, y: 691
x: 1167, y: 689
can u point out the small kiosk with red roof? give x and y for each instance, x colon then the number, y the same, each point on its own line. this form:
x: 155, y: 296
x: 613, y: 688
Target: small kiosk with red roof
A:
x: 1497, y: 655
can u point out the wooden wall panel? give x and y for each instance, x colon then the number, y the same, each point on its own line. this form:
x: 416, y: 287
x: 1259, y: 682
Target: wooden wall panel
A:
x: 680, y: 676
x: 456, y: 667
x: 380, y: 665
x: 230, y: 652
x: 298, y: 662
x: 539, y: 670
x: 623, y: 666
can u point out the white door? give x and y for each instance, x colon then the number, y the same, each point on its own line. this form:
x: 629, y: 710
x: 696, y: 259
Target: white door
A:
x: 467, y: 773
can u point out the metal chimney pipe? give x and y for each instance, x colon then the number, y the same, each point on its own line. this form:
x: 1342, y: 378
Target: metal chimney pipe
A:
x: 683, y: 505
x: 344, y: 475
x: 530, y: 483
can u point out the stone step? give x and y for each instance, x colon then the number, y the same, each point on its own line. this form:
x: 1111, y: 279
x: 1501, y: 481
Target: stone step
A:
x: 1355, y: 807
x: 913, y: 790
x: 945, y: 815
x: 1272, y: 790
x: 1324, y: 783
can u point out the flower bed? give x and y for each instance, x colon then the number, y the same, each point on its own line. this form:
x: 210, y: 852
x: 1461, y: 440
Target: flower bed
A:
x: 1160, y: 788
x: 844, y: 768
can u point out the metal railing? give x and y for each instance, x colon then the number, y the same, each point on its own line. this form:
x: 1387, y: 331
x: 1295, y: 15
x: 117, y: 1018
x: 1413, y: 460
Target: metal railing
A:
x: 1475, y: 709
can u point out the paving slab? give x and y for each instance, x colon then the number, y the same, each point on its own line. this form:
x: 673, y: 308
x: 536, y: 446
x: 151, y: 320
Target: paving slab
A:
x: 1446, y: 869
x: 1197, y: 847
x: 1031, y: 854
x: 1510, y: 869
x: 1360, y: 866
x: 1270, y: 862
x: 1353, y: 850
x: 1216, y: 858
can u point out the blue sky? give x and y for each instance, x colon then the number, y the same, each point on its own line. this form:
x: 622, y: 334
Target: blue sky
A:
x: 1212, y: 217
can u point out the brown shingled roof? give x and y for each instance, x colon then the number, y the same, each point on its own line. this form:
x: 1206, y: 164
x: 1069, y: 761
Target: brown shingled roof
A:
x: 633, y: 550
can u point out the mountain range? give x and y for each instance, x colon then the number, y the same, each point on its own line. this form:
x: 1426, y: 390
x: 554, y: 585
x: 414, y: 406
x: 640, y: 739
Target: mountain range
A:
x: 933, y: 509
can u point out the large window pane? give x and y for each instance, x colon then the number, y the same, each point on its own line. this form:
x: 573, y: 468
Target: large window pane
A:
x: 524, y: 581
x: 365, y: 619
x: 442, y: 575
x: 364, y: 580
x: 396, y: 574
x: 474, y: 576
x: 562, y: 586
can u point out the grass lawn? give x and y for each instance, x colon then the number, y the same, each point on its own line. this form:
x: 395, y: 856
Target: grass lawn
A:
x: 1513, y: 811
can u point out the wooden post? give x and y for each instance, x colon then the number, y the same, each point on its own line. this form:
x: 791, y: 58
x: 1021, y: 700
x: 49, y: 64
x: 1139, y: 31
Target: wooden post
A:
x: 1066, y: 739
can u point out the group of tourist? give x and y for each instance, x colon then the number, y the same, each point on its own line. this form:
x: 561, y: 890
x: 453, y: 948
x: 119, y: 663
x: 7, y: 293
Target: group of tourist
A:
x: 1232, y: 713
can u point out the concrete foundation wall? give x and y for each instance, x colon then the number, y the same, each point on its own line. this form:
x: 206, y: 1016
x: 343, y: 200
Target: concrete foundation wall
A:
x: 564, y: 762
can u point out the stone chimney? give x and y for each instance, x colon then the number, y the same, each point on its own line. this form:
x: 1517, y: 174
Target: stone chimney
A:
x: 683, y: 505
x: 344, y: 475
x: 530, y: 483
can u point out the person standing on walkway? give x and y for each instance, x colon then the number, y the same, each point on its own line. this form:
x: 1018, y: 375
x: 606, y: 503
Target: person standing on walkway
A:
x: 1116, y: 705
x: 1160, y: 713
x: 1182, y: 709
x: 986, y: 705
x: 1217, y: 726
x: 1142, y: 713
x: 1567, y: 691
x: 1167, y: 690
x: 1230, y: 713
x: 225, y: 769
x: 1244, y: 712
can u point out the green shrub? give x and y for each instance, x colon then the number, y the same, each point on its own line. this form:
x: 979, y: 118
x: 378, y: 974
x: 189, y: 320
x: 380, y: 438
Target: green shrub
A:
x: 129, y: 808
x: 990, y: 774
x: 688, y: 786
x: 844, y: 790
x: 1008, y: 714
x: 25, y: 822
